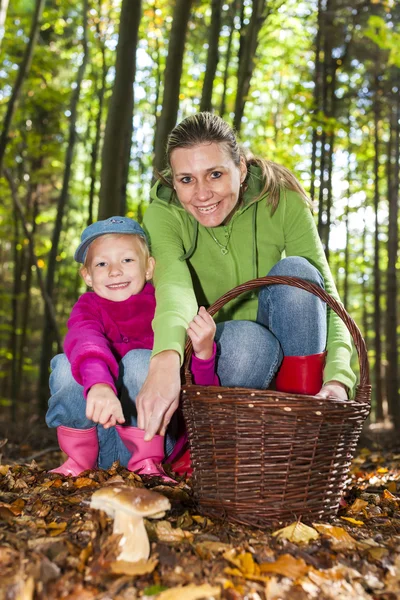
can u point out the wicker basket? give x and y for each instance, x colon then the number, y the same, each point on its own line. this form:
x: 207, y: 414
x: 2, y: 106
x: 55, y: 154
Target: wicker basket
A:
x: 262, y: 457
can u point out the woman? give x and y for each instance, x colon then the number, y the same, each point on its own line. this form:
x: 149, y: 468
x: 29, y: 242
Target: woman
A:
x: 218, y: 219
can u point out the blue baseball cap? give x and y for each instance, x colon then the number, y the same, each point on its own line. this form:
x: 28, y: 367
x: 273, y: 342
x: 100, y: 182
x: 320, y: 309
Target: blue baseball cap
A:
x: 119, y: 225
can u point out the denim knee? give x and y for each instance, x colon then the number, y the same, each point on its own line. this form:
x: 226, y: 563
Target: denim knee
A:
x: 297, y: 266
x: 248, y: 355
x: 295, y: 316
x: 133, y: 370
x: 67, y: 405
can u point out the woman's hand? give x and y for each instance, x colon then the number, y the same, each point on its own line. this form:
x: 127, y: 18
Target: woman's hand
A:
x: 159, y: 397
x: 333, y: 389
x: 103, y: 406
x: 202, y: 332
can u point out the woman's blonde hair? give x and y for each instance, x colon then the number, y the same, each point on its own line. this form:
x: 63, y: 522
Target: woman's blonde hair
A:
x: 207, y: 128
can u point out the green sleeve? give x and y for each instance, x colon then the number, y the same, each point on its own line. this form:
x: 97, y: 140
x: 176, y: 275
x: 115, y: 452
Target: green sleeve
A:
x: 302, y: 239
x: 175, y: 298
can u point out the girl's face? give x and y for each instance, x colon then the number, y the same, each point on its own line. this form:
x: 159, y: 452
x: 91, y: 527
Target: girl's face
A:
x: 207, y: 182
x: 117, y: 267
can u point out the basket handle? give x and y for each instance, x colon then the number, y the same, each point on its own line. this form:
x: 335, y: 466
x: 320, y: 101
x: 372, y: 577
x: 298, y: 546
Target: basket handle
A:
x: 304, y: 285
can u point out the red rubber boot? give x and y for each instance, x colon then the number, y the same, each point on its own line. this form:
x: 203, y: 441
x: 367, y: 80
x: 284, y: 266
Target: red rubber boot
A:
x: 179, y: 459
x: 301, y: 374
x: 146, y: 457
x: 82, y: 448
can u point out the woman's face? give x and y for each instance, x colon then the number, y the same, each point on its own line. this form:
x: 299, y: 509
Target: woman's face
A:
x: 207, y: 182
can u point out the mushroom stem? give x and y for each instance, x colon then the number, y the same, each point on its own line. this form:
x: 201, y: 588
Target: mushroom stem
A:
x: 134, y: 544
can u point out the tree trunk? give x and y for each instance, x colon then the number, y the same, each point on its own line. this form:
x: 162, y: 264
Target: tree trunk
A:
x: 118, y: 134
x: 99, y: 118
x: 232, y: 14
x: 377, y: 273
x: 28, y: 234
x: 246, y: 61
x: 317, y: 100
x: 48, y: 332
x: 14, y: 318
x: 327, y: 35
x: 346, y: 258
x: 3, y: 15
x: 172, y: 78
x: 27, y: 288
x: 364, y: 286
x: 212, y: 55
x: 392, y: 376
x: 158, y: 83
x: 22, y: 73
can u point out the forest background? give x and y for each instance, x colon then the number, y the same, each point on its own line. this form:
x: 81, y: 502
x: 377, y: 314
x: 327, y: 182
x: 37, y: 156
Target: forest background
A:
x: 89, y: 91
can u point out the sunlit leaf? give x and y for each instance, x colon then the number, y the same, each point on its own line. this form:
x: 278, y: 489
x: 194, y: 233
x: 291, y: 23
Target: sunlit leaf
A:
x: 297, y: 532
x: 141, y: 567
x: 337, y: 535
x: 190, y: 592
x: 353, y: 521
x: 286, y: 565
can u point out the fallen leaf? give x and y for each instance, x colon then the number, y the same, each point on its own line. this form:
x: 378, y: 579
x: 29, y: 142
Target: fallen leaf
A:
x: 353, y: 521
x: 56, y: 528
x: 357, y: 506
x: 4, y: 469
x: 286, y: 565
x: 7, y: 556
x: 338, y: 535
x: 208, y: 550
x: 297, y: 532
x: 203, y: 521
x: 190, y: 592
x: 378, y: 553
x: 386, y: 495
x: 141, y: 567
x: 25, y: 589
x: 244, y: 566
x: 164, y: 532
x: 5, y: 512
x: 17, y: 506
x: 81, y: 482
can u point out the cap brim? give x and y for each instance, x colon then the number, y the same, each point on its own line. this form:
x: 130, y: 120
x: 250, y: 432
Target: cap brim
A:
x: 80, y: 252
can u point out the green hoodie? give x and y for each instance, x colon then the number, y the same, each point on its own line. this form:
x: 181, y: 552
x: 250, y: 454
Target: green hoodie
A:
x: 191, y: 271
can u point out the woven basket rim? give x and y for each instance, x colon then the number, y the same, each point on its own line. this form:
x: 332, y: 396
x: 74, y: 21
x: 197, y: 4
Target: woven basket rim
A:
x: 222, y: 395
x: 363, y: 389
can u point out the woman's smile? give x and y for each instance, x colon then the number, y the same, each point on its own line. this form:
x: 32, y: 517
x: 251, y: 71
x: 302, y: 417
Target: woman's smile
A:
x: 207, y: 182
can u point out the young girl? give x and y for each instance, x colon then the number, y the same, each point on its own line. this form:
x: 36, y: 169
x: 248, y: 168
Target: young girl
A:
x: 107, y: 347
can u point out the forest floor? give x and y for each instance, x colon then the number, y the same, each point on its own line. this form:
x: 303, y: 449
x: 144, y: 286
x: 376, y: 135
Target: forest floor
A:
x: 52, y: 545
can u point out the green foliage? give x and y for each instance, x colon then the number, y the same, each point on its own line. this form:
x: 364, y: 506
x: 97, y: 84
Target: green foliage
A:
x: 387, y: 39
x: 281, y: 115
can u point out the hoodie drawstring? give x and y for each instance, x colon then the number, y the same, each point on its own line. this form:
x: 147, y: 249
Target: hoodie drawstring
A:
x: 255, y: 250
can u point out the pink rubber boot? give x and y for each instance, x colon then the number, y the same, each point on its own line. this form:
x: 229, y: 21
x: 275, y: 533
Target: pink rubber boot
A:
x: 82, y: 448
x: 301, y: 374
x: 146, y: 457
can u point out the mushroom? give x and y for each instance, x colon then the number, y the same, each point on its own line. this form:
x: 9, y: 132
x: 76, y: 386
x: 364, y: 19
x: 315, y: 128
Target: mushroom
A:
x: 128, y: 506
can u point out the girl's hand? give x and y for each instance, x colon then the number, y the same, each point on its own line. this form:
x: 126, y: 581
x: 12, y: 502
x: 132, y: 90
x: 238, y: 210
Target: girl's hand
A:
x: 333, y: 389
x: 202, y: 332
x: 103, y: 406
x: 159, y: 397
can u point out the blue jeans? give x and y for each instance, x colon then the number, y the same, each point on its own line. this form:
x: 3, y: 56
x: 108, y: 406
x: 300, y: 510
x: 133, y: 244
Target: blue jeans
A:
x: 290, y: 322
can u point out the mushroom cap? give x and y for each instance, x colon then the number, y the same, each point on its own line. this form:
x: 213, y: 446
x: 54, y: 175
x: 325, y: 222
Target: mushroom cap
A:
x: 130, y: 500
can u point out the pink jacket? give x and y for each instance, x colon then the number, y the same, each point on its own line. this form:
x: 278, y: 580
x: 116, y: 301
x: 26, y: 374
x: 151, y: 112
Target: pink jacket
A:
x: 101, y: 332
